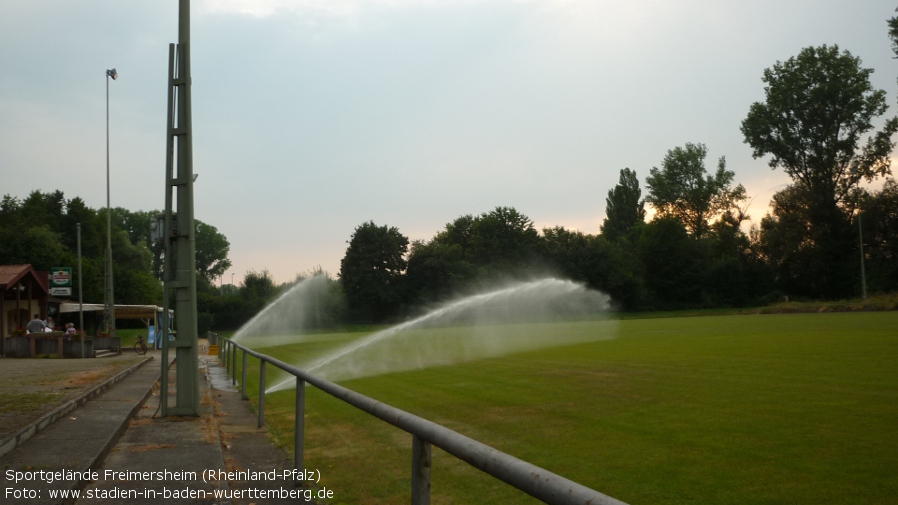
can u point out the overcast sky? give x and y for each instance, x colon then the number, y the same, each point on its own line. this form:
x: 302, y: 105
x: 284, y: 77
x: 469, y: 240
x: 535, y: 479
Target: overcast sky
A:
x: 314, y: 116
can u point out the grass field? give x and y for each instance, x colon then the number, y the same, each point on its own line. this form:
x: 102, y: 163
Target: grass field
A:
x: 791, y: 408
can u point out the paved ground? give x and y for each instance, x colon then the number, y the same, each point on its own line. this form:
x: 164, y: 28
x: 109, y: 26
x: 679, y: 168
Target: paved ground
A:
x: 30, y: 388
x: 164, y: 459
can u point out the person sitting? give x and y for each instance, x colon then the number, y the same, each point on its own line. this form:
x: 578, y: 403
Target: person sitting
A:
x: 70, y: 331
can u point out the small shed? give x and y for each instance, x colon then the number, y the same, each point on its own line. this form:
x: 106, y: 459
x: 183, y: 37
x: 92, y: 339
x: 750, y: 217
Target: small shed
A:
x: 25, y: 292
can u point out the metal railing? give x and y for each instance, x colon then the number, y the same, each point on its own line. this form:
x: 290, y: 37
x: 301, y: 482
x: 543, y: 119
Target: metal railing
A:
x: 531, y: 479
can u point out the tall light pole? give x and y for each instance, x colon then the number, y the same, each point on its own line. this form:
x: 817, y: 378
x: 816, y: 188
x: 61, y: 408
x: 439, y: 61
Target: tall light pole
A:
x: 860, y: 234
x: 80, y: 294
x: 179, y: 229
x: 109, y: 314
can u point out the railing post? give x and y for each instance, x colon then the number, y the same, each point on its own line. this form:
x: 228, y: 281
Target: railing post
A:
x: 227, y: 357
x: 299, y: 427
x: 243, y: 379
x: 262, y: 393
x: 420, y: 471
x: 234, y: 366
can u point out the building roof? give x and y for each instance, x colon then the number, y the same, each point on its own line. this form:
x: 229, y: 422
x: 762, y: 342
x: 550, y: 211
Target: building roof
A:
x: 11, y: 274
x: 121, y: 311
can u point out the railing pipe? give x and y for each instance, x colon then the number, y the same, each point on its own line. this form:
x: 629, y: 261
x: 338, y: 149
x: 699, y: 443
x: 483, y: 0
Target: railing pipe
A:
x: 531, y: 479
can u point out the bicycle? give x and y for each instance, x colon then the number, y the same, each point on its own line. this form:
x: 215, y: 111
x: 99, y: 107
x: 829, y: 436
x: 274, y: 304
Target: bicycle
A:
x: 140, y: 347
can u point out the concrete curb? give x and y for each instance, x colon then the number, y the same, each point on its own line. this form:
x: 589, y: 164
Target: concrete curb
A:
x: 97, y: 459
x: 36, y: 426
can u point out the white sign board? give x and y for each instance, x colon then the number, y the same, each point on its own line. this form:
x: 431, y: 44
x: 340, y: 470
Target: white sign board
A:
x: 60, y: 291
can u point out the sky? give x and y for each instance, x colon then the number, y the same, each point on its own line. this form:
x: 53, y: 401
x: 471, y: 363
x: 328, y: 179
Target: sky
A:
x: 312, y: 117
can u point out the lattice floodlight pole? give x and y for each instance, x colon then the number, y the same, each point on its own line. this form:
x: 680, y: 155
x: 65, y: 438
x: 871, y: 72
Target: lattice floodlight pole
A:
x: 179, y: 267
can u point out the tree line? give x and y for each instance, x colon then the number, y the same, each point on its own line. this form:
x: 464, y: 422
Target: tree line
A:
x: 42, y: 230
x: 816, y: 124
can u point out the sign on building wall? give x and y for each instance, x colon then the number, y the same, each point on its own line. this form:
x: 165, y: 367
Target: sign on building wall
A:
x: 61, y: 281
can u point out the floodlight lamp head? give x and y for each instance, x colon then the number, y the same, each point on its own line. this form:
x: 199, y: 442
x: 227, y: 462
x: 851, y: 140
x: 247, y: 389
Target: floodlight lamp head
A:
x: 112, y: 73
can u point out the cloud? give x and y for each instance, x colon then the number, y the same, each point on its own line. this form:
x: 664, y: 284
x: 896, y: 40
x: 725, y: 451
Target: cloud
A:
x: 310, y: 8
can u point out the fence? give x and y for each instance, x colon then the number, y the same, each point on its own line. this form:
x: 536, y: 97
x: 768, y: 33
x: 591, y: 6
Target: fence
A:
x: 531, y: 479
x: 108, y: 344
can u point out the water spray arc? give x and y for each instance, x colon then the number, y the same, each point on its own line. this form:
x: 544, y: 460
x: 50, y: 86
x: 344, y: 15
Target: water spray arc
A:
x: 292, y: 312
x: 476, y: 327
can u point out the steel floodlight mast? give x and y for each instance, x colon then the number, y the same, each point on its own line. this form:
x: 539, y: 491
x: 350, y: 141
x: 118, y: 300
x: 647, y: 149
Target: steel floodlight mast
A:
x: 109, y: 294
x: 179, y: 274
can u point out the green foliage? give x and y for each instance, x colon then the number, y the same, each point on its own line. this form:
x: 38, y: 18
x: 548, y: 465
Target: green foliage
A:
x: 211, y: 251
x: 880, y: 237
x: 42, y: 231
x: 811, y: 258
x: 471, y: 251
x: 503, y: 239
x: 672, y: 262
x: 371, y: 272
x: 437, y: 270
x: 599, y: 263
x: 818, y: 106
x: 682, y: 189
x: 623, y: 207
x: 258, y: 286
x: 93, y: 229
x: 893, y: 33
x: 40, y: 246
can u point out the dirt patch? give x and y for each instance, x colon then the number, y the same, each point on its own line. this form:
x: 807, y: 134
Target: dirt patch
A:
x: 151, y: 447
x: 87, y: 377
x: 32, y: 387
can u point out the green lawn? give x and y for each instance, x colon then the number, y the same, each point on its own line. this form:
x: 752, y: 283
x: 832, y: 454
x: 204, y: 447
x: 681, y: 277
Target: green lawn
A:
x: 792, y: 408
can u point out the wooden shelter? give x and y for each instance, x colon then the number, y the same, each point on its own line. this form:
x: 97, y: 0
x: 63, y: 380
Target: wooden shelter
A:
x: 25, y: 292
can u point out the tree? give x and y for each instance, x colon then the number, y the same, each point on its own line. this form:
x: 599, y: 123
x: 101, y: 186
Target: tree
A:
x: 211, y: 251
x: 93, y: 229
x: 436, y: 270
x: 471, y: 250
x: 672, y: 263
x: 880, y: 232
x: 623, y: 207
x: 39, y: 246
x: 893, y: 33
x: 605, y: 265
x: 809, y: 261
x: 371, y: 271
x: 503, y: 239
x: 681, y: 188
x: 819, y: 105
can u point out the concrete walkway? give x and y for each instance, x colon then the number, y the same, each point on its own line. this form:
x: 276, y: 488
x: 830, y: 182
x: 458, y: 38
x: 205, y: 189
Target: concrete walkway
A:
x: 136, y: 456
x: 31, y: 388
x: 76, y: 442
